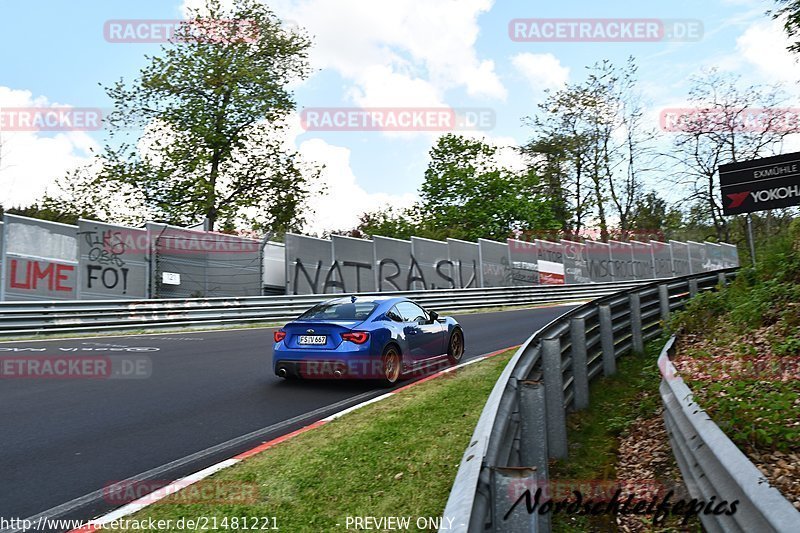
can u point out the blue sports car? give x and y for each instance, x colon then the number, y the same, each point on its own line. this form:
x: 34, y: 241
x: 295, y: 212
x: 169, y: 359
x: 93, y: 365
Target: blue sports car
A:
x: 370, y: 337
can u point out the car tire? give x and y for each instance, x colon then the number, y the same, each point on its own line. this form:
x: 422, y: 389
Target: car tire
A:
x: 391, y: 365
x: 455, y: 346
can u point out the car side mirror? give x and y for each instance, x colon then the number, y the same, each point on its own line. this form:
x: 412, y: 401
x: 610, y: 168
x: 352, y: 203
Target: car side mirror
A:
x: 434, y: 316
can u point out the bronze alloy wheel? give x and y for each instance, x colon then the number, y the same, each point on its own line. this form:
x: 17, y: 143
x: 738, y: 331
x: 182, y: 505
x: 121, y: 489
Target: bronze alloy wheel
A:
x: 391, y: 365
x: 456, y: 348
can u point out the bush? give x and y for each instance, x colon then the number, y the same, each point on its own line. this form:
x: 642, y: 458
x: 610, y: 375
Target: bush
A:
x: 759, y: 296
x: 756, y: 414
x: 763, y: 303
x: 700, y: 314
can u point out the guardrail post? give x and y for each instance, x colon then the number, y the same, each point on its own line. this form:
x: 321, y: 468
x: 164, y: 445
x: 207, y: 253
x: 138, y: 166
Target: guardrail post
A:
x: 663, y: 301
x: 512, y: 489
x: 554, y: 398
x: 533, y: 434
x: 607, y: 341
x: 693, y: 287
x: 580, y: 369
x: 636, y: 322
x: 533, y: 437
x: 722, y: 279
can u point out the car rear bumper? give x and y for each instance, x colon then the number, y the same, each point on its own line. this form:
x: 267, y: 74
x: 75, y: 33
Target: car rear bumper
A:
x: 356, y: 367
x: 348, y: 360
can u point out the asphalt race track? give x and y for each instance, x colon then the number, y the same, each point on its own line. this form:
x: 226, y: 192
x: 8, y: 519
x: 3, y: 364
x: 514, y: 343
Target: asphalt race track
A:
x: 65, y: 439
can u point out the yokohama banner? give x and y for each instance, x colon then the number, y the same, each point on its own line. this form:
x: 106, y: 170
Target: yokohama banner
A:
x: 762, y: 184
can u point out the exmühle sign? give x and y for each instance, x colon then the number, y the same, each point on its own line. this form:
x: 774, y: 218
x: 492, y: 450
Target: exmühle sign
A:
x: 761, y: 184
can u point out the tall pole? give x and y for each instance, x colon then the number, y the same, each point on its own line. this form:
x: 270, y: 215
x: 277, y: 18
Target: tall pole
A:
x: 750, y: 238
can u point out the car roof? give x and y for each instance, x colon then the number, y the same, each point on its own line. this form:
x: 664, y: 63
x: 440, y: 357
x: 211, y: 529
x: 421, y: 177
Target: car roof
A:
x: 375, y: 299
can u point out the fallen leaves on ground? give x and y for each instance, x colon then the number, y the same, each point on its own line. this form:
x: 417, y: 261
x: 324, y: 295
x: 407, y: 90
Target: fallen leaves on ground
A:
x: 782, y: 470
x: 645, y: 460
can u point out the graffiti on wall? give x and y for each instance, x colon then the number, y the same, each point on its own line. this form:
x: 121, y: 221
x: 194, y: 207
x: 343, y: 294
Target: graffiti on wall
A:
x: 41, y: 277
x: 106, y: 259
x: 576, y: 267
x: 346, y: 265
x: 114, y: 260
x: 389, y: 272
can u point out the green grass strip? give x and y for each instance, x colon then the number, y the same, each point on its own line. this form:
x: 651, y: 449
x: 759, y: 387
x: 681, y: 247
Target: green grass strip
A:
x: 396, y: 458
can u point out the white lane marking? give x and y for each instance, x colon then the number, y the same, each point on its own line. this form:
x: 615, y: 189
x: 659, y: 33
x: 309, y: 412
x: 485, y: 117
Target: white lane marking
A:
x: 343, y: 412
x: 163, y: 492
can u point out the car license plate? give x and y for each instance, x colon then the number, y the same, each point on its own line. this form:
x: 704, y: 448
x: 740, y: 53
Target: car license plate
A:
x: 312, y: 339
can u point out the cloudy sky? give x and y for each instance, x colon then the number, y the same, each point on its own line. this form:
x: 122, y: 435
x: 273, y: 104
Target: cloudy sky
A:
x: 373, y: 53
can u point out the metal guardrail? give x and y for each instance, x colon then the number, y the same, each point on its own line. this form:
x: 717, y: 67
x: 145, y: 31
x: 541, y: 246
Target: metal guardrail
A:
x: 33, y: 318
x: 712, y: 465
x: 524, y: 420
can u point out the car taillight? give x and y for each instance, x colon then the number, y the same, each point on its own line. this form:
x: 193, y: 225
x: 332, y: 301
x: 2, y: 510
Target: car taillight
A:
x: 358, y: 337
x: 279, y: 336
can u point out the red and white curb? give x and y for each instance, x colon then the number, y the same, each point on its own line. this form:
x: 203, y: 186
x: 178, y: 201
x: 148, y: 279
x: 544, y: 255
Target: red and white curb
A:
x: 191, y: 479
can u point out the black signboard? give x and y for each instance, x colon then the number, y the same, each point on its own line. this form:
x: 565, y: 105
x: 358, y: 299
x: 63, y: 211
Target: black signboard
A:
x: 767, y: 183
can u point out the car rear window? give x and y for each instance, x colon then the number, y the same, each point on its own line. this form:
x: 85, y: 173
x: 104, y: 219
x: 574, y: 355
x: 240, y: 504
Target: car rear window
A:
x: 340, y: 311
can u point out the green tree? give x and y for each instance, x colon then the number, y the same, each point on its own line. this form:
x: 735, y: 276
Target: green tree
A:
x: 468, y: 195
x: 387, y: 222
x: 209, y: 115
x: 551, y: 157
x: 53, y: 213
x: 652, y: 217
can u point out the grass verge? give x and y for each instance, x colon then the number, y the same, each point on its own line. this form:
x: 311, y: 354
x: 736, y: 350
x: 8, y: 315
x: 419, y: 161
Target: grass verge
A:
x: 393, y: 458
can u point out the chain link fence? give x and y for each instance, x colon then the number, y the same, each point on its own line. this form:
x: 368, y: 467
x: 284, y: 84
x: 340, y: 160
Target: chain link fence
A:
x: 191, y: 265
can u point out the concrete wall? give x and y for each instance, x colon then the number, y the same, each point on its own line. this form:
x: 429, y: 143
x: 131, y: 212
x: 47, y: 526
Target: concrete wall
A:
x: 465, y: 260
x: 114, y: 261
x: 42, y: 260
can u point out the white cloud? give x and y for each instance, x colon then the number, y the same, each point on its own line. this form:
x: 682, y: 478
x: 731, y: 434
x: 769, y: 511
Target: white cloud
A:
x: 344, y: 200
x: 30, y: 161
x: 421, y: 41
x: 416, y: 38
x: 763, y: 46
x: 507, y: 154
x: 380, y: 86
x: 543, y: 71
